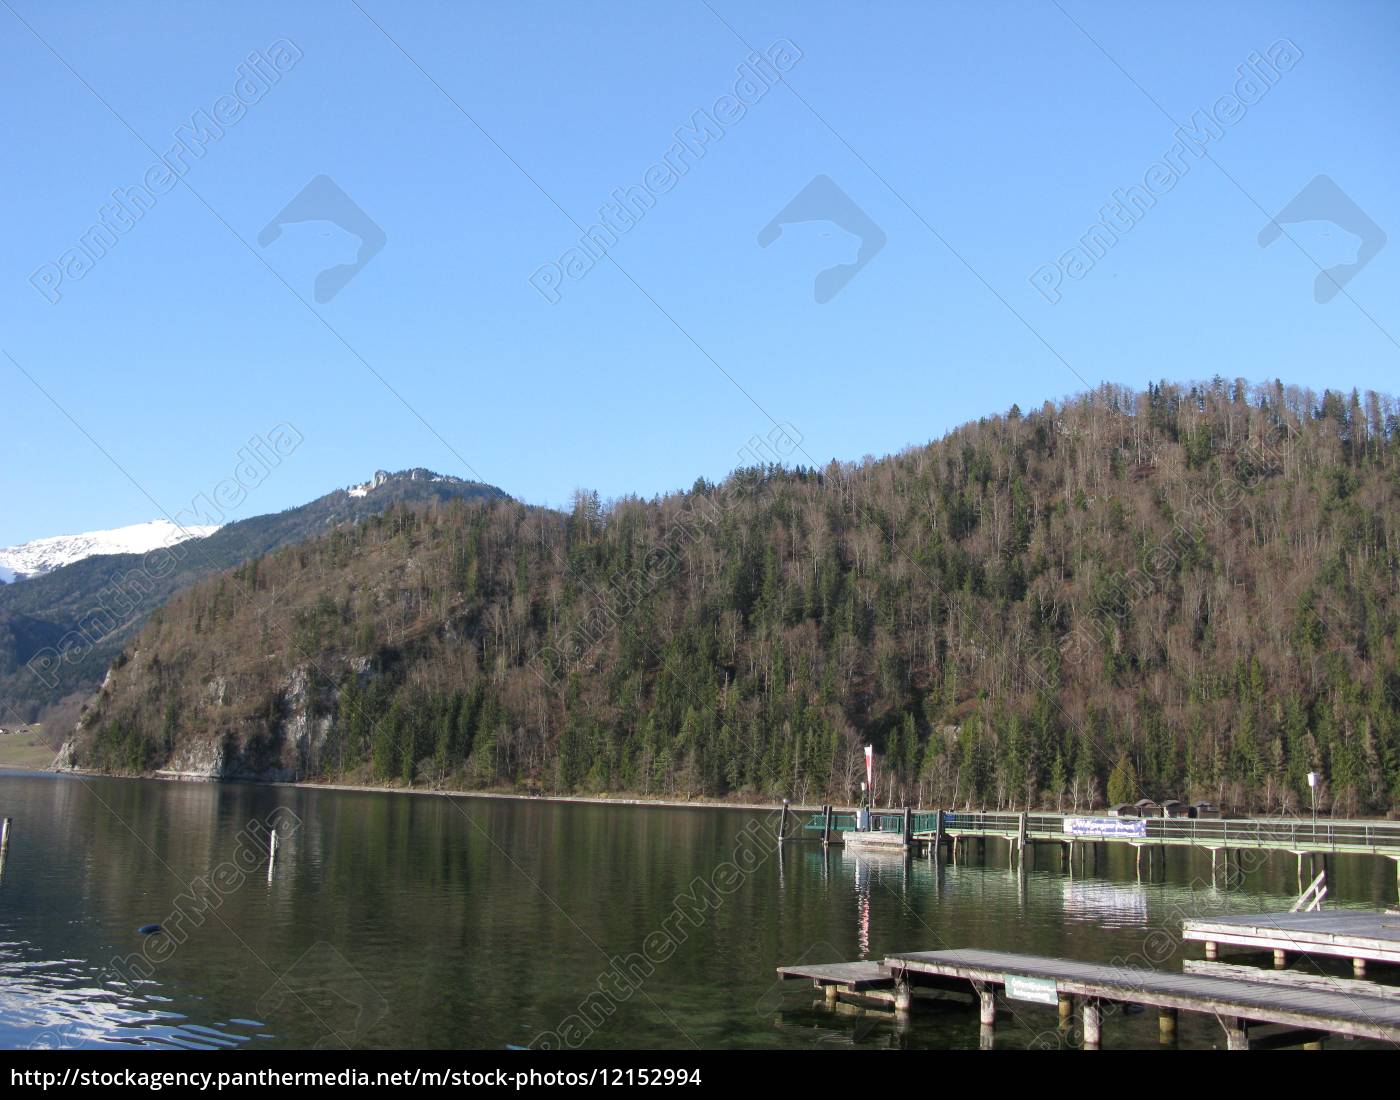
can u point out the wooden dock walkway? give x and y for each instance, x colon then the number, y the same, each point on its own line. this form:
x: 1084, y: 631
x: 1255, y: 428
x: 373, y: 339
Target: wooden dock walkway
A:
x: 1237, y: 1002
x: 1361, y: 935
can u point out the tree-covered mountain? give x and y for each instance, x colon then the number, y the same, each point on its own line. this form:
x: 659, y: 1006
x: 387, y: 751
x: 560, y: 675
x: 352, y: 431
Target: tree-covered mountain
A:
x: 1186, y: 592
x: 61, y: 630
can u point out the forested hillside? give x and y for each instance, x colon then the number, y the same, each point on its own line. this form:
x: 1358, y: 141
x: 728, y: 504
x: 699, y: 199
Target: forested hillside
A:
x: 60, y: 631
x: 1187, y: 592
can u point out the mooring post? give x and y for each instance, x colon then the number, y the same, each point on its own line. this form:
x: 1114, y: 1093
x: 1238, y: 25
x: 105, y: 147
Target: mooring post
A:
x: 1166, y: 1026
x: 903, y: 997
x: 1093, y: 1023
x: 1211, y: 949
x: 938, y: 837
x: 833, y: 994
x: 782, y: 823
x: 5, y: 837
x: 1066, y: 1011
x: 1358, y: 967
x: 1280, y: 959
x: 908, y: 825
x: 826, y: 825
x: 1020, y: 836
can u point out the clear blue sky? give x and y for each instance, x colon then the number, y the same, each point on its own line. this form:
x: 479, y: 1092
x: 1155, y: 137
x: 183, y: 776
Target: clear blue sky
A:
x: 1001, y: 128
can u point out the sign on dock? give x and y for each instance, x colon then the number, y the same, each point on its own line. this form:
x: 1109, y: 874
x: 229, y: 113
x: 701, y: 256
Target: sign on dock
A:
x: 1040, y: 990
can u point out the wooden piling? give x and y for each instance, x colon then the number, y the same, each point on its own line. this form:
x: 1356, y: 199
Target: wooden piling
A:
x: 782, y: 823
x: 1166, y: 1025
x: 908, y: 825
x: 826, y: 825
x: 986, y: 1007
x: 1236, y: 1032
x: 1066, y: 1010
x: 5, y: 836
x: 1093, y: 1023
x: 1280, y: 959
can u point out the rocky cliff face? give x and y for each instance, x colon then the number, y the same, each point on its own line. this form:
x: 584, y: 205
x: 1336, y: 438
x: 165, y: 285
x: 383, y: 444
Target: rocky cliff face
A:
x: 285, y: 748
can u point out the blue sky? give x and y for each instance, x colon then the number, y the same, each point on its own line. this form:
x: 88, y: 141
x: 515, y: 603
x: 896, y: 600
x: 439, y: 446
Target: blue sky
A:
x: 981, y: 138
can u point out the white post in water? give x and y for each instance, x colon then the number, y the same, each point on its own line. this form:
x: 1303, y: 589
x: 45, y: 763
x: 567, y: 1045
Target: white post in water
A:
x: 5, y: 837
x: 271, y: 853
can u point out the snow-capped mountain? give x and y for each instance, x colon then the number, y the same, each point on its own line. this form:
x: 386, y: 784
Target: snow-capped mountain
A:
x: 42, y: 555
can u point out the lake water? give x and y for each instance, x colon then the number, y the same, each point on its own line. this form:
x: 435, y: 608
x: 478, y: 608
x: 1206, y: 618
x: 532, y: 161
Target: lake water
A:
x: 391, y: 920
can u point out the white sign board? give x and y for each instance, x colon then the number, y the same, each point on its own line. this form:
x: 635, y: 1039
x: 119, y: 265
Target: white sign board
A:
x: 1106, y: 826
x: 1040, y: 990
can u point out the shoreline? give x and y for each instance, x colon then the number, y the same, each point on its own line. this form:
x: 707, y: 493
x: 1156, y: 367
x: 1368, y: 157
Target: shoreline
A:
x: 580, y: 799
x: 584, y: 799
x: 361, y: 788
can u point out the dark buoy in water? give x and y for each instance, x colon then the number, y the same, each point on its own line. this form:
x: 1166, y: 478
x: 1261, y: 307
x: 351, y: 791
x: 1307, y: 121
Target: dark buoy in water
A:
x: 149, y: 929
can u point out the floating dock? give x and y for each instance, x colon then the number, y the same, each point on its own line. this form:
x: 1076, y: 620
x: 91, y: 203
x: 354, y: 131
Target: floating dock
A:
x: 876, y: 842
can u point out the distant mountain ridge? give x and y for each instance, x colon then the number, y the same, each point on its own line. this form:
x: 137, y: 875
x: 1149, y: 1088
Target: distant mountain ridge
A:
x: 60, y: 630
x: 44, y: 555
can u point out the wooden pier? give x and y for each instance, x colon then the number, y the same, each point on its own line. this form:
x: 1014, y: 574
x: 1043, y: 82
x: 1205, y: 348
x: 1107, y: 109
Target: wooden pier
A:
x: 1307, y: 1012
x: 1359, y: 935
x: 933, y: 830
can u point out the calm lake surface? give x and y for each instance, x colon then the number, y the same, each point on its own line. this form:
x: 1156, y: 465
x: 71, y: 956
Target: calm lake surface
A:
x: 392, y: 920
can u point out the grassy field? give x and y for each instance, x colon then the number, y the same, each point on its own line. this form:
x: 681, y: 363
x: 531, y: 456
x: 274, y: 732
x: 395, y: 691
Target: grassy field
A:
x: 24, y: 750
